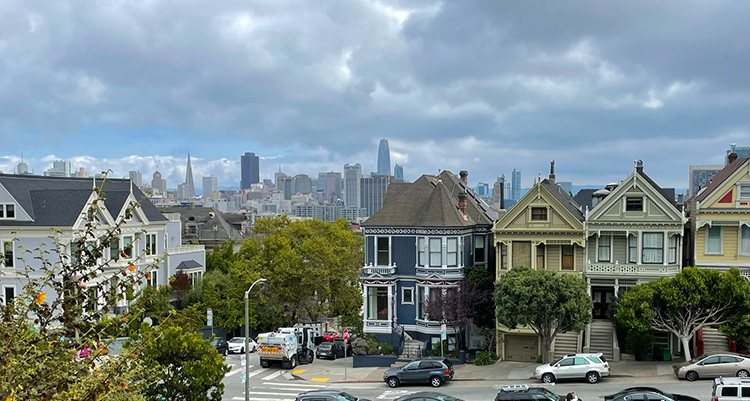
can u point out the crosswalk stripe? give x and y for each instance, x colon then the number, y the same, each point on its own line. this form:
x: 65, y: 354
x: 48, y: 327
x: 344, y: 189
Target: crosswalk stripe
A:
x: 253, y: 373
x: 263, y: 399
x: 272, y: 375
x: 295, y: 385
x: 233, y: 372
x: 281, y: 394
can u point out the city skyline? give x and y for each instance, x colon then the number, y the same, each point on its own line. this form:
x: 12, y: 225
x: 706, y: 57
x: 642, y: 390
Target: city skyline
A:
x: 591, y: 86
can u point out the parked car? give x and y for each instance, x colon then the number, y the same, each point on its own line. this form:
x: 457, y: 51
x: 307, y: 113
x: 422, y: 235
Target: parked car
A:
x: 434, y: 371
x: 221, y: 345
x: 590, y: 367
x: 330, y: 336
x: 327, y: 395
x: 237, y: 345
x: 524, y: 392
x: 730, y: 389
x: 347, y: 345
x: 427, y: 396
x: 714, y: 365
x: 330, y: 350
x: 647, y: 393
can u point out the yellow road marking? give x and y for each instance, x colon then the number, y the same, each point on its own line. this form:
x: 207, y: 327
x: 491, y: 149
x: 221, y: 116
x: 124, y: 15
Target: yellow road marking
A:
x: 319, y: 379
x: 298, y: 371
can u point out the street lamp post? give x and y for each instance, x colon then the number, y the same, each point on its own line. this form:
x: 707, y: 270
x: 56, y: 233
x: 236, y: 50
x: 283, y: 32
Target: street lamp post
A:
x: 247, y: 337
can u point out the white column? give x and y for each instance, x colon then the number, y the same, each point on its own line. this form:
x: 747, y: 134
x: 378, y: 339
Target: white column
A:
x: 391, y: 304
x: 665, y: 248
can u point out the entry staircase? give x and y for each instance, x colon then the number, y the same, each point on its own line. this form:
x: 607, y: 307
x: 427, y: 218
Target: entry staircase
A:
x: 602, y: 337
x: 566, y: 343
x: 713, y: 341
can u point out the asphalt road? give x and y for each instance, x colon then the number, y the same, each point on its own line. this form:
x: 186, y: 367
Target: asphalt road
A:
x: 276, y: 384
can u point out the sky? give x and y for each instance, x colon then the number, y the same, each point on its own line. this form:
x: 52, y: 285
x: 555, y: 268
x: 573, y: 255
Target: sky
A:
x: 482, y: 86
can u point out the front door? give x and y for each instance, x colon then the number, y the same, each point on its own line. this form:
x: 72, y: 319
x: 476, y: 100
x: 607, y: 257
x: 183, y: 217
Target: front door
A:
x: 602, y: 297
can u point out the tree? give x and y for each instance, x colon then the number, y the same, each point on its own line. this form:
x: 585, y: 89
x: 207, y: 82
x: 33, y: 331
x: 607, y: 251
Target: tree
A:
x: 180, y: 284
x: 692, y: 299
x: 549, y: 303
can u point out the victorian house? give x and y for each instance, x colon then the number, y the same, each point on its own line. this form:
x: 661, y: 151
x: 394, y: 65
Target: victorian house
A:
x: 416, y: 245
x: 543, y: 230
x: 634, y: 234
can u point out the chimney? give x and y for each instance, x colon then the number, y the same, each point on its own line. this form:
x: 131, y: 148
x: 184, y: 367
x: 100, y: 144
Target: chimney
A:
x: 462, y: 201
x: 732, y: 156
x: 552, y: 171
x: 502, y: 192
x: 639, y: 166
x: 463, y: 174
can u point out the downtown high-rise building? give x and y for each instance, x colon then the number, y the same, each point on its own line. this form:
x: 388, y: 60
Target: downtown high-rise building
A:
x: 189, y: 189
x: 136, y: 177
x: 515, y: 182
x: 352, y: 184
x: 158, y: 184
x: 249, y: 169
x: 398, y: 172
x: 60, y: 168
x: 332, y: 187
x: 210, y: 185
x: 373, y: 192
x: 384, y: 158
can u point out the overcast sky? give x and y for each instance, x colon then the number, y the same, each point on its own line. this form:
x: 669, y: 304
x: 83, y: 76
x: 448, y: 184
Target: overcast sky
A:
x: 483, y: 86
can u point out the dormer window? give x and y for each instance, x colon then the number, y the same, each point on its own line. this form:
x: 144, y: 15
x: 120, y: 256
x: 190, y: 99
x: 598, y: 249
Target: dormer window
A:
x: 634, y: 204
x: 7, y: 211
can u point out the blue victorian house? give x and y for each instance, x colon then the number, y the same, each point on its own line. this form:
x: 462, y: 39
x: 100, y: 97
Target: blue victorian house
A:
x: 416, y: 245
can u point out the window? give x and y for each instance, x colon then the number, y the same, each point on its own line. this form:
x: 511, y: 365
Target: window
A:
x: 407, y: 295
x: 540, y: 256
x: 745, y: 240
x: 581, y: 361
x: 745, y: 392
x: 383, y: 251
x: 479, y: 255
x: 567, y: 257
x: 9, y: 294
x: 653, y: 248
x: 538, y: 214
x: 605, y: 244
x: 194, y: 277
x: 567, y: 362
x: 673, y: 249
x: 377, y: 303
x: 729, y: 391
x: 422, y: 250
x: 632, y: 249
x: 503, y: 257
x: 634, y: 204
x: 150, y: 244
x: 711, y: 361
x: 153, y: 278
x: 421, y: 296
x: 451, y: 254
x: 7, y: 211
x: 744, y: 191
x: 436, y: 252
x: 127, y: 247
x: 7, y: 248
x: 114, y: 249
x: 713, y: 241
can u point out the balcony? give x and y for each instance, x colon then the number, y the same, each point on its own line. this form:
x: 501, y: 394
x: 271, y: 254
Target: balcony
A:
x: 186, y: 249
x: 443, y: 272
x: 377, y: 326
x: 631, y: 269
x: 384, y: 271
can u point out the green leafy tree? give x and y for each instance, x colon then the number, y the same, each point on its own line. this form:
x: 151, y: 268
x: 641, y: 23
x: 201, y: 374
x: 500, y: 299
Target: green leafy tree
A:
x: 683, y: 304
x: 549, y: 303
x: 221, y: 257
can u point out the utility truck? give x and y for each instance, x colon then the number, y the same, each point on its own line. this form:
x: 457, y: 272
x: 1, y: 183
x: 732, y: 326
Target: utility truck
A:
x: 288, y: 345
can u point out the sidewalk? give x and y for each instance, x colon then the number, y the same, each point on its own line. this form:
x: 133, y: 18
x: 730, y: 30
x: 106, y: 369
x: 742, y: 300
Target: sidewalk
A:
x: 500, y: 371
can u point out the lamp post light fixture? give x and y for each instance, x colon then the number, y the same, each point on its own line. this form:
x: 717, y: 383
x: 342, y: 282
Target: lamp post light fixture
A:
x: 247, y: 337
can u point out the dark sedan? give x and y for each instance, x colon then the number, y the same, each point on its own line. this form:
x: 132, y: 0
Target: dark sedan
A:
x: 647, y: 394
x: 427, y: 396
x: 330, y: 350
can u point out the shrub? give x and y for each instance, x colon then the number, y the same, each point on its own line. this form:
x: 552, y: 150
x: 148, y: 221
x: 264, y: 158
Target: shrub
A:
x: 385, y: 349
x: 538, y: 359
x: 485, y: 358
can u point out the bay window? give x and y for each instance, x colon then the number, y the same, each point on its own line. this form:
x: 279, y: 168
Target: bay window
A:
x: 713, y: 241
x: 421, y: 297
x: 567, y: 257
x: 673, y: 249
x: 421, y: 251
x: 479, y: 255
x: 451, y: 256
x: 653, y: 248
x: 436, y: 252
x: 7, y: 256
x: 605, y: 246
x: 744, y: 240
x: 377, y: 303
x: 632, y: 249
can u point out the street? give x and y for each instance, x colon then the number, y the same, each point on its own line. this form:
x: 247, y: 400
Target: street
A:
x: 274, y: 383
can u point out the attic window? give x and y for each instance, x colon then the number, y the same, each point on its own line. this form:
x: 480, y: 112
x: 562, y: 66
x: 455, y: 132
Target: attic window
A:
x: 744, y: 192
x: 634, y: 204
x: 7, y: 211
x: 538, y: 214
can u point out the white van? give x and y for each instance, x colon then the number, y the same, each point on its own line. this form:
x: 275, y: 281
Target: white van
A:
x: 731, y: 389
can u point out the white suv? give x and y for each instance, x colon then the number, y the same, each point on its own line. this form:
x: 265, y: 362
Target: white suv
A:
x: 731, y: 389
x: 574, y: 366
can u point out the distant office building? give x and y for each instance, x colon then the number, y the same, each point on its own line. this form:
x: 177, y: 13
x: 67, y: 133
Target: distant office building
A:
x: 81, y: 173
x: 250, y: 169
x: 301, y: 184
x: 210, y: 185
x: 158, y: 185
x: 700, y: 175
x: 373, y: 192
x: 515, y: 184
x: 398, y: 172
x: 352, y: 185
x: 482, y: 189
x: 189, y: 183
x: 285, y: 186
x: 136, y: 178
x: 384, y: 158
x: 276, y: 177
x: 332, y: 187
x: 60, y: 168
x: 22, y: 168
x: 498, y: 192
x: 742, y: 152
x: 267, y: 182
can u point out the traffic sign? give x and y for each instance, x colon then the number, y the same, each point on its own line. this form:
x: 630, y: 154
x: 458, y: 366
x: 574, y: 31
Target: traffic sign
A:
x: 210, y: 317
x: 346, y: 335
x: 443, y: 332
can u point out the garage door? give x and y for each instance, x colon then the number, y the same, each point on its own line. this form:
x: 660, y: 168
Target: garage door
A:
x: 520, y: 348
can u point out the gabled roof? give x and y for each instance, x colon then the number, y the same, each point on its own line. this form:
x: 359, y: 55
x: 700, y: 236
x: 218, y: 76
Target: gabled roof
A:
x: 719, y: 179
x: 667, y: 193
x: 430, y: 201
x: 585, y: 197
x: 59, y: 201
x: 564, y: 198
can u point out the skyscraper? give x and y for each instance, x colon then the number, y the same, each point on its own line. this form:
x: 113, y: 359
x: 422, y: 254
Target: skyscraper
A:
x: 352, y: 184
x: 515, y: 181
x: 210, y: 185
x: 384, y: 158
x: 158, y: 185
x: 398, y: 172
x: 136, y: 177
x: 189, y: 184
x: 373, y: 192
x: 60, y: 168
x: 332, y: 187
x: 250, y: 169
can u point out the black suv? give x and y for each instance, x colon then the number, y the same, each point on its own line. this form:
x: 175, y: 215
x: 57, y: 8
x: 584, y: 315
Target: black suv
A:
x: 525, y: 392
x: 434, y: 370
x: 327, y: 395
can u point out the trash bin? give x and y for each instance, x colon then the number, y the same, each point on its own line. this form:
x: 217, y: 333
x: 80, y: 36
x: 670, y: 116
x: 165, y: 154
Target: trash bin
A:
x: 667, y: 354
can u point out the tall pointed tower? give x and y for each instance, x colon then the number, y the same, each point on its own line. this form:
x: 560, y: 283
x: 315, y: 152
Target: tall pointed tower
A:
x: 189, y: 184
x: 384, y: 158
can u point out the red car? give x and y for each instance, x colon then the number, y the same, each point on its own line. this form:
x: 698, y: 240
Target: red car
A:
x: 329, y: 336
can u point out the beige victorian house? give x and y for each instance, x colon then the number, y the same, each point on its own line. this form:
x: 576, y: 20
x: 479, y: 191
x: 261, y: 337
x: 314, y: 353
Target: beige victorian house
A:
x: 544, y: 230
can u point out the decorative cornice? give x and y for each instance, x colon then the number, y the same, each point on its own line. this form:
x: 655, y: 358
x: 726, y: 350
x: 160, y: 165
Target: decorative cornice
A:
x: 426, y: 231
